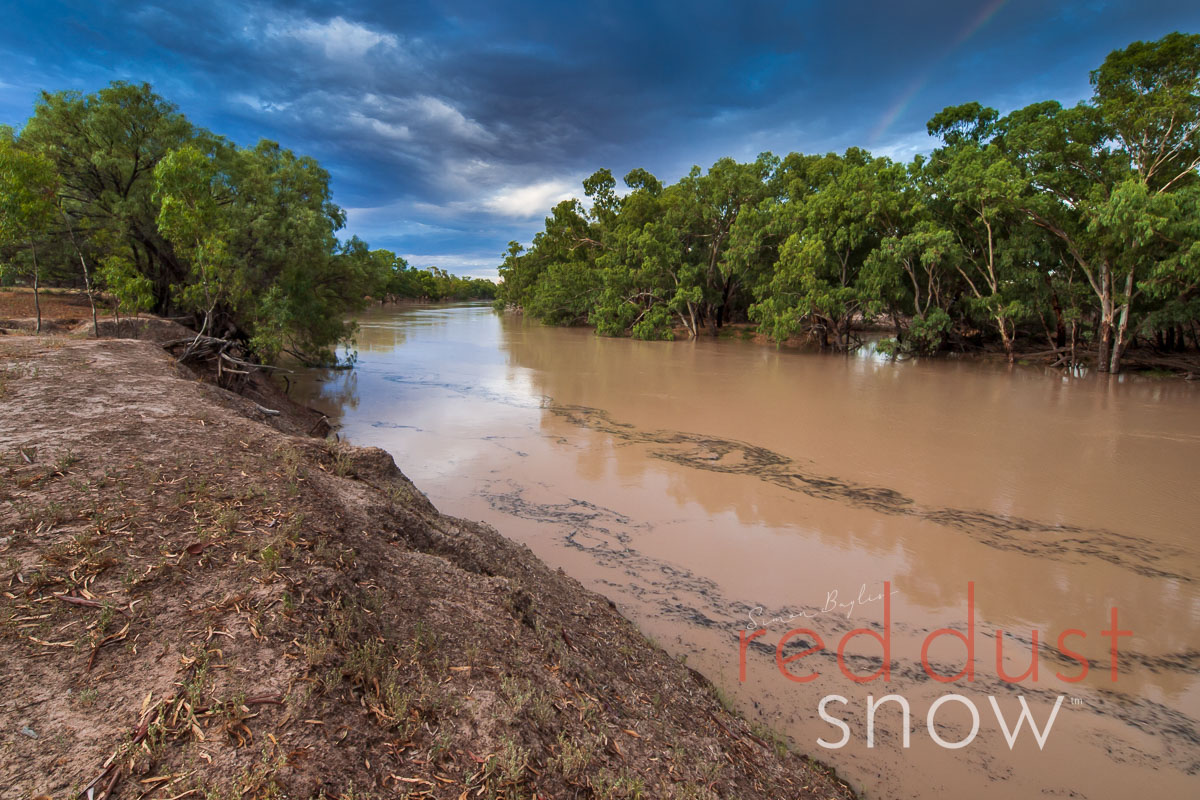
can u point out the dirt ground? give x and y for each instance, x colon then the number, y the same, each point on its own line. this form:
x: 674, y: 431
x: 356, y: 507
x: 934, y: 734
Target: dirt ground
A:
x: 198, y: 600
x: 17, y: 303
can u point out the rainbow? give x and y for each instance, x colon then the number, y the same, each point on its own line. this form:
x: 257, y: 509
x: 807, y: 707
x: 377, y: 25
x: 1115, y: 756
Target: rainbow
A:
x: 906, y: 97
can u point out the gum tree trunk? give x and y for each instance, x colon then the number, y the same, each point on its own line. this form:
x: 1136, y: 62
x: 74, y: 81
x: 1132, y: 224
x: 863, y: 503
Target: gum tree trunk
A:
x: 1119, y: 346
x: 1106, y: 320
x: 37, y: 303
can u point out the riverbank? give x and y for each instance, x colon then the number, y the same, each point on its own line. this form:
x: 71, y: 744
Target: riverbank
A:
x: 67, y: 309
x: 1142, y: 360
x: 692, y: 482
x: 200, y: 600
x: 1139, y: 358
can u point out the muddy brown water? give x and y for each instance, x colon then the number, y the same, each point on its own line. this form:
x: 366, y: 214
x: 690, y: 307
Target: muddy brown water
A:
x: 717, y: 486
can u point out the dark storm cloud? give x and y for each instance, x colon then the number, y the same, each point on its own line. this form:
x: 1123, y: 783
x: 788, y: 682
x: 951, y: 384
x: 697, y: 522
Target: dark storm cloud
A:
x: 451, y: 128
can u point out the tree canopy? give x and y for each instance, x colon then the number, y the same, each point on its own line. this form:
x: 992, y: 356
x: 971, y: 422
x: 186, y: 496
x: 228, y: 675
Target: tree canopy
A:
x: 1078, y: 225
x: 181, y: 221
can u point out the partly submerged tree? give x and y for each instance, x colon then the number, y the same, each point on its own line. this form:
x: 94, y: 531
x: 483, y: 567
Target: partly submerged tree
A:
x: 837, y: 216
x: 1109, y: 180
x: 1004, y: 231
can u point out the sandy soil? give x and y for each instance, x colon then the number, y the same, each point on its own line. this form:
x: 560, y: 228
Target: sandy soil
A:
x: 199, y: 600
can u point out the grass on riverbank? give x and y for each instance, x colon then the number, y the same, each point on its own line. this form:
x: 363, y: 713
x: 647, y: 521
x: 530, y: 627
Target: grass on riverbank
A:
x: 199, y: 603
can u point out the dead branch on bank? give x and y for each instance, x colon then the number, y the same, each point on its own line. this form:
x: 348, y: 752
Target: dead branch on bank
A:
x: 1071, y: 357
x: 230, y: 358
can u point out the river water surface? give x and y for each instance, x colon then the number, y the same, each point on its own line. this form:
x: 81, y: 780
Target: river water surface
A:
x: 717, y: 486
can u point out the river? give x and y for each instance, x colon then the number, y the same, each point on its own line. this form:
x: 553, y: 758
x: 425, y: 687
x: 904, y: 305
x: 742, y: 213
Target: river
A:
x: 717, y: 486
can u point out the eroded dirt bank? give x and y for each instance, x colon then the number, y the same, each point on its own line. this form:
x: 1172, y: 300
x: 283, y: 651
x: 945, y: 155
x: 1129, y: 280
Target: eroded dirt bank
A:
x: 196, y: 603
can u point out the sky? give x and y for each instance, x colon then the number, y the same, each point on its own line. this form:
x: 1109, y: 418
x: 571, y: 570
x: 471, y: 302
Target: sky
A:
x: 451, y: 128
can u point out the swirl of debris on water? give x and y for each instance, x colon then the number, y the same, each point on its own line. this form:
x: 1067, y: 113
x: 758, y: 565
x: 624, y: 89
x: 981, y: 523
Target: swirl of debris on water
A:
x: 730, y: 456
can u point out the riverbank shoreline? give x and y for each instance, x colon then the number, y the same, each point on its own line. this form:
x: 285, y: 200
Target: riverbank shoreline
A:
x: 201, y: 598
x: 1143, y: 361
x: 691, y: 481
x: 68, y: 310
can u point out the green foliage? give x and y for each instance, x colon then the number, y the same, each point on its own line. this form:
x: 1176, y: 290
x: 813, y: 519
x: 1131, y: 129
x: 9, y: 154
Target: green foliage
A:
x: 27, y: 189
x: 1149, y: 97
x: 1078, y: 222
x: 654, y: 324
x: 927, y: 334
x: 839, y: 210
x: 383, y: 275
x: 181, y: 221
x: 193, y: 201
x: 564, y: 295
x: 256, y: 229
x: 970, y: 122
x: 104, y: 148
x: 28, y: 186
x: 133, y: 291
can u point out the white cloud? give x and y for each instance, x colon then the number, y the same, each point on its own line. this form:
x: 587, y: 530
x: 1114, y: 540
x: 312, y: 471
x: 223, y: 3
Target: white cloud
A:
x: 424, y: 120
x: 535, y: 199
x: 440, y: 114
x: 340, y: 39
x: 477, y: 265
x: 470, y: 170
x: 372, y: 222
x: 465, y: 178
x: 903, y: 147
x: 390, y: 130
x: 257, y: 103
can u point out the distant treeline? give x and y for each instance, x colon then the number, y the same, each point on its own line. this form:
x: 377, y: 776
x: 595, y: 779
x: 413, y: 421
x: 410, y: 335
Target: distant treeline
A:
x: 1079, y: 227
x: 118, y: 191
x: 406, y: 283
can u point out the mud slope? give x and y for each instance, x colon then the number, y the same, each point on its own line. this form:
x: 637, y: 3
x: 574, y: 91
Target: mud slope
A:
x: 197, y: 604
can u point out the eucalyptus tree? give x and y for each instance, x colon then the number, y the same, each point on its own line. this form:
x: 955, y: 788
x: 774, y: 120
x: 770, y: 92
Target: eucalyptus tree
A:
x: 845, y: 205
x: 650, y: 280
x: 194, y: 196
x: 979, y: 192
x: 1172, y: 283
x: 28, y: 186
x: 517, y: 277
x: 256, y: 229
x: 704, y: 208
x: 105, y: 147
x: 132, y: 291
x: 567, y: 280
x: 1111, y: 180
x: 561, y: 279
x: 1148, y: 96
x: 913, y: 271
x: 1010, y: 223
